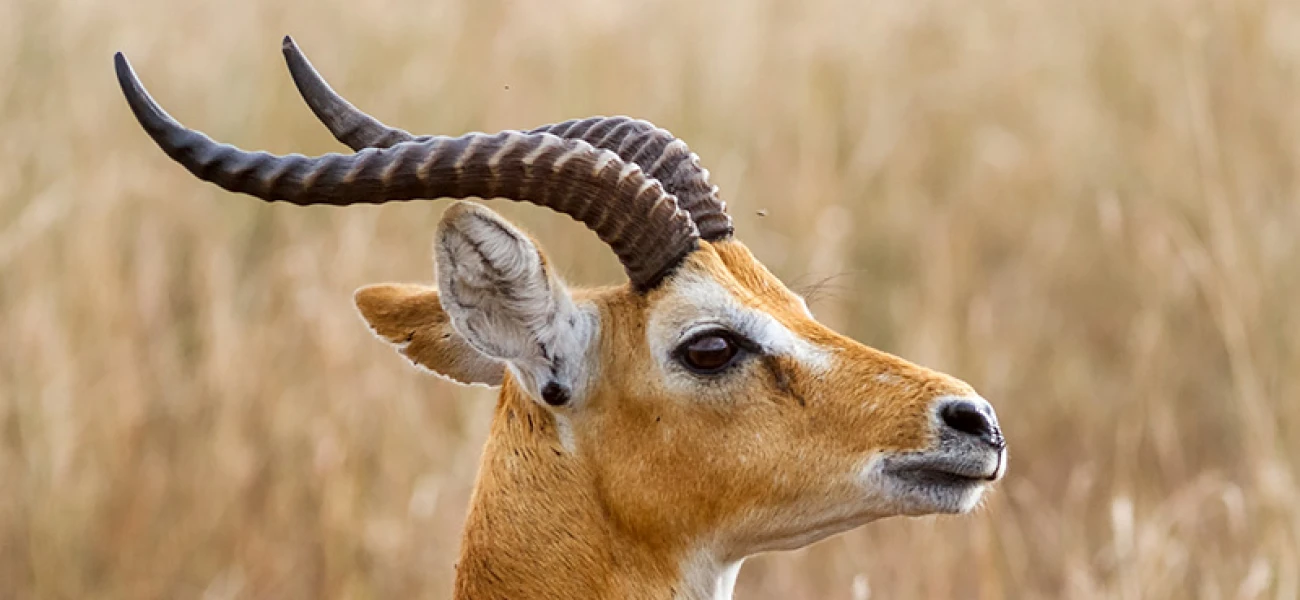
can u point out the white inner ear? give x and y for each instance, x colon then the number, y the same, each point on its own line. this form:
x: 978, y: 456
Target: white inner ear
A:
x: 505, y: 302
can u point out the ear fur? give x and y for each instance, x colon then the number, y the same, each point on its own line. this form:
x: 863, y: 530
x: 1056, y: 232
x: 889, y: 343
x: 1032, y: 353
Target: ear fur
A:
x: 504, y: 299
x: 411, y: 318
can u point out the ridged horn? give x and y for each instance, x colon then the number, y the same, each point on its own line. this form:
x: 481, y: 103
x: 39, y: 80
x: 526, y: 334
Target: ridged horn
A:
x: 657, y: 151
x: 626, y: 209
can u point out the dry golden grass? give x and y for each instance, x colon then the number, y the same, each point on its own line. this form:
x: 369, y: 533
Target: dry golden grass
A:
x: 1089, y: 210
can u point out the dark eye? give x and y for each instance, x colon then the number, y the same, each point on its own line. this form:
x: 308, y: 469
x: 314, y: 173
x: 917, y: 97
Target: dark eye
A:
x: 709, y: 353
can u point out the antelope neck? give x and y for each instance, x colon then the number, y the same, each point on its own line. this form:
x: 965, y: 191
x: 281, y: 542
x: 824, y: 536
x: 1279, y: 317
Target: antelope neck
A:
x: 538, y: 528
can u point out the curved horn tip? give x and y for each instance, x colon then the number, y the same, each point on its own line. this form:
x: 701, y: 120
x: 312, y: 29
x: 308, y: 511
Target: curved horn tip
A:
x: 127, y: 80
x: 295, y: 58
x: 121, y: 63
x: 142, y: 104
x: 303, y: 72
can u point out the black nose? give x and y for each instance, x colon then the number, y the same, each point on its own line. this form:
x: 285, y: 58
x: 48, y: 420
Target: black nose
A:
x: 972, y: 419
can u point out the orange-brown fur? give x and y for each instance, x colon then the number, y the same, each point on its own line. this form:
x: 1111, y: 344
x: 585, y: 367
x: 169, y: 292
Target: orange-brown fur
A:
x: 654, y: 477
x: 411, y: 317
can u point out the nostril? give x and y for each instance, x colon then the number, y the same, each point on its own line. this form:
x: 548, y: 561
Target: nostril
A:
x: 967, y: 418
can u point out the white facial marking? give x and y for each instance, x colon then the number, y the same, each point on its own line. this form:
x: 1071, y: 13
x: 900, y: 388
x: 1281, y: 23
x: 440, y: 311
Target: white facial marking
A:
x: 702, y: 304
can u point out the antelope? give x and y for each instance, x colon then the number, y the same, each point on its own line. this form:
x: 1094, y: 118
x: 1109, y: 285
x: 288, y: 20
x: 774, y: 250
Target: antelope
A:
x: 647, y: 437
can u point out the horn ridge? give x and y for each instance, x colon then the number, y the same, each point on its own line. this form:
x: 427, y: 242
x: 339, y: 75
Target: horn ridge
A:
x: 680, y: 171
x: 569, y: 176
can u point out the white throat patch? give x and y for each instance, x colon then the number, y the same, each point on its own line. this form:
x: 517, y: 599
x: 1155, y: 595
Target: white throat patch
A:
x: 706, y: 578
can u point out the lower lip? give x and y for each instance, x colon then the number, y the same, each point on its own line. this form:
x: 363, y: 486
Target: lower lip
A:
x: 932, y: 477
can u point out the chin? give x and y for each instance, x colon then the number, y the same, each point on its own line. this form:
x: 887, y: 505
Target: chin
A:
x: 946, y: 500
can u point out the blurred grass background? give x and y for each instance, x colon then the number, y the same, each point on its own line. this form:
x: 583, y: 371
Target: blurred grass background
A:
x: 1088, y: 210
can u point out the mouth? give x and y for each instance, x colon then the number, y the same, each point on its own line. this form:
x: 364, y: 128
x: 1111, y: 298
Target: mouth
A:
x: 944, y: 470
x: 942, y: 483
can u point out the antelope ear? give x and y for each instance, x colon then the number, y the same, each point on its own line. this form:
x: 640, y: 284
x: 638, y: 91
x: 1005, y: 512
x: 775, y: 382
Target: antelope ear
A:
x: 411, y: 318
x: 505, y: 300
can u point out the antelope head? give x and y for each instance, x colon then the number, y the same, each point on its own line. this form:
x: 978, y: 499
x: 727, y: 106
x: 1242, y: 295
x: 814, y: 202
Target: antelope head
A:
x: 647, y: 437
